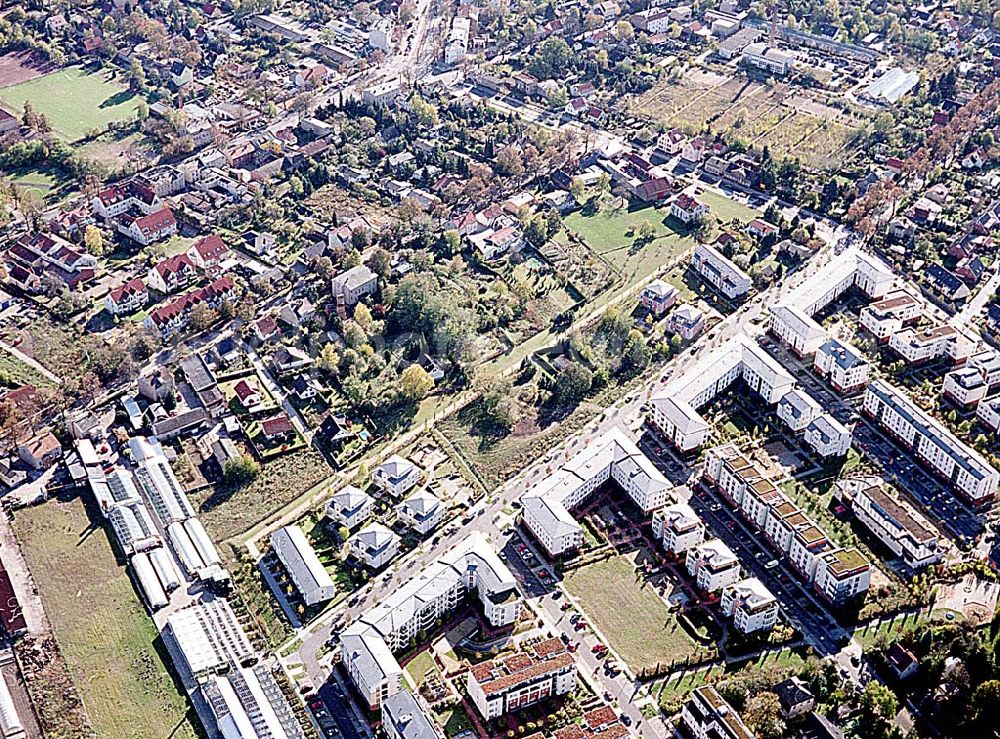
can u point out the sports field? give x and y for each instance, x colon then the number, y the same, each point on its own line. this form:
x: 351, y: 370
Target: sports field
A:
x: 74, y: 100
x: 103, y: 631
x: 636, y: 621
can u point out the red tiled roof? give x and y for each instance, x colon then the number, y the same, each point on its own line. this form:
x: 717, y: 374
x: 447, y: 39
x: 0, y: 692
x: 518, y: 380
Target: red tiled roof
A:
x: 210, y: 247
x: 135, y: 286
x: 279, y: 424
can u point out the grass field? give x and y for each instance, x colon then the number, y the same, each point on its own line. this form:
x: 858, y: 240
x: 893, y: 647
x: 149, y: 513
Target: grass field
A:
x: 75, y: 101
x: 102, y: 628
x: 636, y: 621
x: 611, y: 233
x: 227, y: 512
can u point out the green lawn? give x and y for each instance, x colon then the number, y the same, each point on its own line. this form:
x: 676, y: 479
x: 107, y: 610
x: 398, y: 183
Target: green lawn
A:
x: 75, y: 101
x: 636, y: 621
x: 418, y: 667
x: 111, y: 645
x: 611, y: 233
x: 726, y: 209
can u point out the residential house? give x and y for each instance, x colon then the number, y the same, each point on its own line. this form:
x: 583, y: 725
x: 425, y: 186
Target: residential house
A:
x: 288, y: 359
x: 375, y: 546
x: 396, y: 476
x: 658, y: 297
x: 208, y: 251
x: 354, y: 284
x: 422, y: 511
x: 41, y: 451
x: 350, y: 507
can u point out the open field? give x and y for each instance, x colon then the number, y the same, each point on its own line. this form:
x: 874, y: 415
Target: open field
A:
x: 112, y: 149
x: 760, y: 114
x: 227, y: 512
x: 636, y: 622
x: 75, y: 101
x: 109, y: 642
x: 611, y: 233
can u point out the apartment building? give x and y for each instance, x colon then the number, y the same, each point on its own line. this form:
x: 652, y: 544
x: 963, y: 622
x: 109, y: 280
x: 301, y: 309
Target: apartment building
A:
x: 687, y: 321
x: 707, y: 715
x: 842, y: 575
x: 354, y: 284
x: 751, y: 605
x: 713, y: 565
x: 905, y: 532
x: 614, y: 456
x: 797, y: 409
x: 404, y: 717
x: 720, y: 272
x: 918, y: 346
x: 938, y: 449
x: 796, y: 329
x: 687, y: 210
x: 988, y: 412
x: 674, y: 409
x: 299, y: 559
x: 422, y: 512
x: 506, y: 684
x: 789, y: 532
x: 678, y: 528
x: 791, y: 320
x: 890, y: 315
x: 964, y: 386
x: 827, y: 436
x: 471, y: 567
x: 843, y: 366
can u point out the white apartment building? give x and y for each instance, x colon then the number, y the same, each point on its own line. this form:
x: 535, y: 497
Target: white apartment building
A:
x: 707, y: 715
x: 901, y: 529
x: 965, y: 386
x: 842, y: 575
x: 368, y: 644
x: 890, y: 315
x: 751, y: 605
x: 375, y: 546
x: 940, y: 450
x: 678, y: 528
x: 674, y: 411
x: 988, y: 412
x: 720, y: 271
x: 506, y: 684
x: 303, y: 566
x: 797, y: 409
x: 422, y: 512
x: 350, y: 507
x: 713, y: 565
x: 828, y: 437
x: 794, y: 327
x: 987, y: 362
x: 842, y: 365
x: 791, y: 320
x: 687, y: 321
x: 923, y: 345
x: 614, y: 456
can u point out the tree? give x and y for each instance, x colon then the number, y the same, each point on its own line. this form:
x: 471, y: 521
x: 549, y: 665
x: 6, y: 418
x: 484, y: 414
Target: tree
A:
x: 380, y: 263
x: 452, y: 241
x: 552, y: 57
x: 985, y: 702
x: 573, y: 383
x: 363, y: 317
x: 202, y: 316
x: 537, y: 231
x: 624, y: 31
x: 415, y: 383
x: 763, y: 716
x: 328, y: 360
x: 93, y: 240
x: 241, y: 470
x: 646, y: 231
x: 878, y: 703
x: 578, y: 188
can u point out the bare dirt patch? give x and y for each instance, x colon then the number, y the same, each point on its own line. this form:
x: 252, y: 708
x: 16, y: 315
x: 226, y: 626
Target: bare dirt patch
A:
x: 21, y: 66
